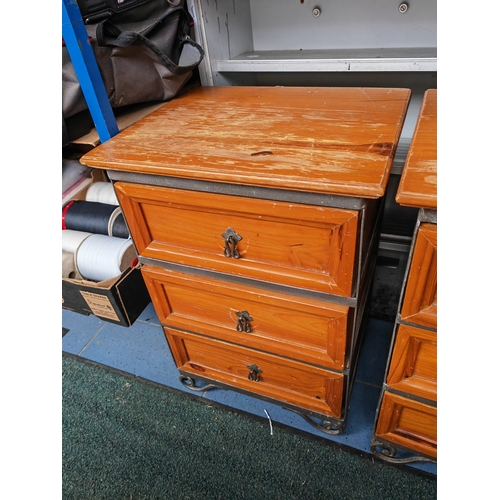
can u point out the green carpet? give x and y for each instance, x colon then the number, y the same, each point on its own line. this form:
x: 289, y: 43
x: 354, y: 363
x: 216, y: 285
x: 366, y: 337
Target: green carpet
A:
x: 127, y: 439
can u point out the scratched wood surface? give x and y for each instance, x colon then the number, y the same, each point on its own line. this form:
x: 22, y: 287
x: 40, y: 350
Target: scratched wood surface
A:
x: 328, y: 140
x: 418, y: 185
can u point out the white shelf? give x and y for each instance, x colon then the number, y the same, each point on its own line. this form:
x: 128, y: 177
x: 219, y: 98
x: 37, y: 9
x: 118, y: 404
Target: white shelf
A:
x: 390, y: 59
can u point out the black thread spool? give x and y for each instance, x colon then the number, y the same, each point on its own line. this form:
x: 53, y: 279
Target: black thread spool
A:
x: 88, y: 216
x: 119, y: 228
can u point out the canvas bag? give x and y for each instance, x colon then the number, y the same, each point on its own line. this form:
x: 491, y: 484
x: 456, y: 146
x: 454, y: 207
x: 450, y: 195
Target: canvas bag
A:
x: 144, y: 54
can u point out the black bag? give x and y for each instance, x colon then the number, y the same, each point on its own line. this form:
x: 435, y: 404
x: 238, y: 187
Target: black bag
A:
x: 144, y: 54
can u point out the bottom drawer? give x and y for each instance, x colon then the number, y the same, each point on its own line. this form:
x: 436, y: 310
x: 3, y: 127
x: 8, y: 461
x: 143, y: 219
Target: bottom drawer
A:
x: 281, y: 379
x: 408, y: 423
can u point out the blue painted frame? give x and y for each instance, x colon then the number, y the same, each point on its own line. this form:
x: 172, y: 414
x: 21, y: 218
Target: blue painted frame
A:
x: 87, y: 70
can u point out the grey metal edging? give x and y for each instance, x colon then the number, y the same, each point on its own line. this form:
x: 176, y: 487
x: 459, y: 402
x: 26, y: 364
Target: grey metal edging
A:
x: 237, y: 280
x: 305, y: 198
x: 427, y: 215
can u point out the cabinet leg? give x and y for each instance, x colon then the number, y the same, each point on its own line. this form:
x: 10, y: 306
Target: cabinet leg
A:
x: 190, y: 383
x: 327, y: 426
x: 332, y: 427
x: 389, y: 453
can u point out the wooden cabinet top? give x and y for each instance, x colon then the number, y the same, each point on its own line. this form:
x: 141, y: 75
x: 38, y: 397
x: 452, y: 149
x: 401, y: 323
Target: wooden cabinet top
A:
x: 338, y: 141
x: 418, y: 185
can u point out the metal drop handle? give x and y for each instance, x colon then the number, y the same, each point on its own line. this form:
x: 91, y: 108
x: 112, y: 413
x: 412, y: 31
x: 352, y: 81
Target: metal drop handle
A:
x: 231, y: 239
x: 254, y: 373
x: 243, y: 324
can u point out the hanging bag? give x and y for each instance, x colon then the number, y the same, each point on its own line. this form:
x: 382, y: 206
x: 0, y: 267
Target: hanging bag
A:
x: 144, y: 54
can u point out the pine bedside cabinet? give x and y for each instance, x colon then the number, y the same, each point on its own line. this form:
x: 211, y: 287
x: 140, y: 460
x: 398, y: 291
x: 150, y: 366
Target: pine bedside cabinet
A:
x: 255, y: 213
x: 406, y: 422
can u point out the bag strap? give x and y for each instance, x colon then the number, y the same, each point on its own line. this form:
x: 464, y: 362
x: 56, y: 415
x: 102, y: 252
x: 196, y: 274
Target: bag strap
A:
x: 107, y: 31
x: 110, y: 35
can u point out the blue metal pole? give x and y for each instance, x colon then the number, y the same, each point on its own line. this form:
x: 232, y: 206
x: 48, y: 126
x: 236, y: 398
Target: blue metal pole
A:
x: 87, y: 70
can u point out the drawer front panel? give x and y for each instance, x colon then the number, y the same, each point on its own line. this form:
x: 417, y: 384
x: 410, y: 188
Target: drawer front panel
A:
x: 420, y: 300
x: 304, y: 329
x: 291, y: 244
x: 408, y: 423
x: 270, y: 376
x: 413, y: 366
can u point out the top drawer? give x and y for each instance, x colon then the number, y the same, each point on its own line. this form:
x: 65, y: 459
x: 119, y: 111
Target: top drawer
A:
x: 304, y: 246
x: 420, y: 300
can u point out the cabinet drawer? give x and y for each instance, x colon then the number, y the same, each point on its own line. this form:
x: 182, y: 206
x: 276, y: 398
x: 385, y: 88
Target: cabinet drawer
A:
x: 277, y: 378
x: 413, y: 366
x: 304, y: 329
x: 420, y: 300
x: 408, y: 423
x: 304, y: 246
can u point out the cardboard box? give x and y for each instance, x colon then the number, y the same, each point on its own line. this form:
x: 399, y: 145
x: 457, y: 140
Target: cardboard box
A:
x: 118, y: 300
x: 124, y: 118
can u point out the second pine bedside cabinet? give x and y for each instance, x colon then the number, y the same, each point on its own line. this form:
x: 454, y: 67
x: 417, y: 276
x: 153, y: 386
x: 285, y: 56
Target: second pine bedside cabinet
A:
x: 406, y: 422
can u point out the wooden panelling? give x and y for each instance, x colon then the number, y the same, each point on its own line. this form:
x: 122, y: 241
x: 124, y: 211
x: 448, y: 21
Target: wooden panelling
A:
x: 408, y: 423
x: 281, y: 379
x: 420, y: 299
x: 304, y: 329
x: 413, y: 367
x: 304, y: 246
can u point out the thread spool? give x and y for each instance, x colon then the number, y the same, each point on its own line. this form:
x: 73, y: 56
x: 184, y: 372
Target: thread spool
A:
x: 68, y: 266
x: 71, y: 240
x: 89, y: 216
x: 102, y: 192
x: 119, y: 228
x: 103, y: 257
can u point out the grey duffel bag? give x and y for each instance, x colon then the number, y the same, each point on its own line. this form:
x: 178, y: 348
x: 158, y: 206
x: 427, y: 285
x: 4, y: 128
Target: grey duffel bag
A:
x: 144, y: 54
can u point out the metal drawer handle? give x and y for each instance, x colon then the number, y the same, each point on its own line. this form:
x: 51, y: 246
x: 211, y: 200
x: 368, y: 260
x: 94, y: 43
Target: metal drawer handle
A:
x: 243, y: 322
x: 231, y: 239
x: 254, y: 373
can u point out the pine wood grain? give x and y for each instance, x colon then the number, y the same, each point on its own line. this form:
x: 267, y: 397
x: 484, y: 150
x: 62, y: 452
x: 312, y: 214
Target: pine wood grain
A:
x: 420, y: 300
x: 413, y: 366
x: 408, y: 423
x: 281, y: 379
x: 317, y: 139
x: 418, y: 185
x: 304, y: 246
x: 308, y: 330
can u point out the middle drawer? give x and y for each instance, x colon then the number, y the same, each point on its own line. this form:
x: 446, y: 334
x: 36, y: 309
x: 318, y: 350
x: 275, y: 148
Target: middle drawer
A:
x: 308, y: 330
x: 413, y: 367
x: 306, y: 246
